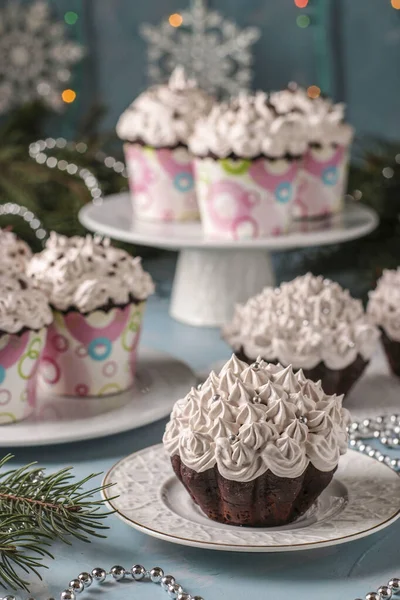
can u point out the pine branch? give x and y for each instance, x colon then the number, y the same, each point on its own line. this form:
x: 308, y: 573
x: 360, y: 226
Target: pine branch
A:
x: 35, y: 509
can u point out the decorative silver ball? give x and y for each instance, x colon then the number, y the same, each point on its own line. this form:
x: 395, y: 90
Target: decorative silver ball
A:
x: 166, y: 581
x: 366, y: 423
x: 384, y: 440
x: 372, y: 453
x: 215, y: 398
x: 354, y: 426
x: 372, y: 596
x: 385, y: 592
x: 376, y: 434
x: 353, y: 443
x: 67, y: 595
x: 256, y: 400
x: 394, y: 419
x: 387, y: 460
x: 379, y: 420
x: 9, y: 597
x: 232, y: 438
x: 394, y: 585
x: 138, y: 572
x: 76, y: 586
x: 199, y: 386
x: 361, y: 447
x: 118, y: 572
x: 303, y: 419
x: 99, y: 574
x: 255, y: 366
x: 393, y: 463
x: 174, y: 590
x: 184, y: 596
x: 86, y: 579
x: 156, y: 574
x: 197, y: 598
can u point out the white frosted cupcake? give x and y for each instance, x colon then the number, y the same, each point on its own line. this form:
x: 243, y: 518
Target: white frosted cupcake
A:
x: 384, y: 309
x: 98, y: 296
x: 323, y: 176
x: 24, y: 317
x: 246, y: 167
x: 311, y: 323
x: 256, y: 445
x: 14, y: 250
x: 155, y: 129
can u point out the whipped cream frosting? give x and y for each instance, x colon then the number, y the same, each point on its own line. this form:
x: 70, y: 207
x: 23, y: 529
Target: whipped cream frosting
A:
x: 21, y: 305
x: 251, y: 419
x: 248, y: 127
x: 14, y: 249
x: 86, y: 273
x: 302, y: 323
x: 164, y: 115
x: 384, y: 303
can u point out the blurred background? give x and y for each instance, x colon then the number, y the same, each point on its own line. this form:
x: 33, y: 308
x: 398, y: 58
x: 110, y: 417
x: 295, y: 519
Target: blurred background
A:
x: 68, y: 68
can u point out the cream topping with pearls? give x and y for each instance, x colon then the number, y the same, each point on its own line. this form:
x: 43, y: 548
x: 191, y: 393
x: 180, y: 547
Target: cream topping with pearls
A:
x: 164, y: 115
x: 86, y: 273
x: 14, y: 250
x: 384, y: 303
x: 251, y: 419
x: 247, y: 127
x: 20, y: 304
x: 302, y: 323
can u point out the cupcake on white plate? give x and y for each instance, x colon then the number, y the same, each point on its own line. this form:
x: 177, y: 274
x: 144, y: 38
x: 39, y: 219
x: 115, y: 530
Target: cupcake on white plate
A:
x: 98, y: 295
x: 310, y: 323
x: 323, y: 175
x: 384, y: 309
x: 155, y: 130
x: 14, y: 250
x: 247, y: 161
x: 24, y: 318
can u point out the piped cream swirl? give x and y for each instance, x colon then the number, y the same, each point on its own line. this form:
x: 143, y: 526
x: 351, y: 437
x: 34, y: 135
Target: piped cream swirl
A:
x: 302, y: 323
x: 14, y: 250
x: 20, y: 304
x: 86, y: 273
x: 384, y: 303
x: 251, y: 419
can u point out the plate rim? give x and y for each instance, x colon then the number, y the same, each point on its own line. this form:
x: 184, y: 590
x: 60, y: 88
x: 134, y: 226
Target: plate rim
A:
x: 239, y: 547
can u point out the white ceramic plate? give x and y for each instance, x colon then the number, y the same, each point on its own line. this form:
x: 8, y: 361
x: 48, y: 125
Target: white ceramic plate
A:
x: 160, y: 381
x: 363, y: 498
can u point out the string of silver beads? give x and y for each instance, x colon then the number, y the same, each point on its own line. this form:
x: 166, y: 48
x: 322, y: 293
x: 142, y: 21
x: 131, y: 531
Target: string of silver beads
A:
x: 385, y: 592
x: 385, y: 429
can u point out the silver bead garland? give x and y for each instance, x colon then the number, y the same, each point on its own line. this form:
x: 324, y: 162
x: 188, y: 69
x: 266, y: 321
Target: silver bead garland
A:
x: 385, y: 429
x: 11, y: 208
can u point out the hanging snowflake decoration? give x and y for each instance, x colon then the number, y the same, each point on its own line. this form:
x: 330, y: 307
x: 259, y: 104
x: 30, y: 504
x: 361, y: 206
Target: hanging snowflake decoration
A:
x: 35, y: 55
x: 212, y: 49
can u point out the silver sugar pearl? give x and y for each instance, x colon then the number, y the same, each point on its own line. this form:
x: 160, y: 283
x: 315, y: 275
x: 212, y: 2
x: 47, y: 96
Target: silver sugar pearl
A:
x: 232, y: 438
x: 76, y: 586
x: 366, y: 422
x: 394, y: 419
x: 384, y: 440
x: 353, y: 443
x: 354, y: 426
x: 184, y: 596
x: 256, y: 400
x: 372, y: 596
x: 166, y: 581
x: 387, y: 460
x: 371, y: 453
x: 197, y: 598
x: 174, y: 590
x: 385, y: 592
x: 303, y: 419
x: 361, y: 447
x: 255, y: 366
x: 67, y: 595
x: 394, y: 585
x: 138, y: 572
x: 199, y: 386
x: 215, y: 398
x: 156, y: 574
x: 376, y: 434
x: 393, y: 463
x: 379, y: 420
x: 99, y: 575
x: 118, y: 572
x: 86, y: 579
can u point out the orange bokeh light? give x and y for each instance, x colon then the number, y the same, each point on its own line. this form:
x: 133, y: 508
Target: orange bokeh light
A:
x: 396, y: 4
x: 175, y: 20
x: 313, y: 91
x: 301, y: 3
x: 68, y: 96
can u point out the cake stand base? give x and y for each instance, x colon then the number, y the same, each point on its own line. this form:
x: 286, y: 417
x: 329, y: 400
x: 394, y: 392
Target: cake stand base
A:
x: 208, y: 283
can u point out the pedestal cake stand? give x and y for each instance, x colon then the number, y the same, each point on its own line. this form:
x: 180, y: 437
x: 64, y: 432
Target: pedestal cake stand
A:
x: 212, y: 275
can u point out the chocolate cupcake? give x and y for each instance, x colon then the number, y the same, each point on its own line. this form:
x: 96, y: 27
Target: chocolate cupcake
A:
x: 98, y: 295
x: 256, y: 445
x: 310, y: 323
x: 384, y: 309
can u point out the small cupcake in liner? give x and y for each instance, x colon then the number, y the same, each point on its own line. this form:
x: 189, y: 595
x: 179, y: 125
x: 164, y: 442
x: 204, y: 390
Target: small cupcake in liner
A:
x: 98, y: 295
x: 256, y: 445
x: 323, y: 175
x: 246, y: 167
x: 14, y: 250
x: 155, y: 130
x: 24, y: 317
x: 310, y: 323
x: 384, y: 309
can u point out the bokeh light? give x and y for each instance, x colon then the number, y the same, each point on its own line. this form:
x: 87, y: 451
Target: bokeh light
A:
x: 175, y: 20
x: 301, y: 3
x: 396, y: 4
x: 303, y: 21
x: 314, y: 91
x: 68, y: 96
x: 70, y: 17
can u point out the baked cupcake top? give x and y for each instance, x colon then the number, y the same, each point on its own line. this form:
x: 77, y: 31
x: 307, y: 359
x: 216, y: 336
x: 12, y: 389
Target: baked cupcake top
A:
x: 384, y: 303
x: 164, y: 115
x: 302, y: 323
x: 87, y: 273
x: 251, y: 419
x: 248, y: 127
x: 14, y: 249
x: 21, y: 305
x: 325, y: 123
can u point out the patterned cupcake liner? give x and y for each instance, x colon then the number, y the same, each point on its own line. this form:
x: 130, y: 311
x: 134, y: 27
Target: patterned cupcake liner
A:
x: 94, y: 354
x: 161, y: 183
x: 322, y: 183
x: 19, y: 361
x: 245, y: 199
x: 392, y: 351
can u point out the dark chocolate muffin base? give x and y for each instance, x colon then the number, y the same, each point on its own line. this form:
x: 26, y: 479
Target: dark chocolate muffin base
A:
x: 267, y: 501
x: 333, y: 381
x: 392, y: 351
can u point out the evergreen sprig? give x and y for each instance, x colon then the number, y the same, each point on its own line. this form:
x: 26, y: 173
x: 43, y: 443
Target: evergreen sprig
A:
x: 35, y: 509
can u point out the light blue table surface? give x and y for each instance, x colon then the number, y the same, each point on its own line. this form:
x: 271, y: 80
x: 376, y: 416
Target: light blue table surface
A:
x: 338, y: 573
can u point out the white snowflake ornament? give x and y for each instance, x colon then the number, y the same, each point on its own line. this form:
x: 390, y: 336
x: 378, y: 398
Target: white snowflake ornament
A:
x: 35, y: 55
x: 212, y: 49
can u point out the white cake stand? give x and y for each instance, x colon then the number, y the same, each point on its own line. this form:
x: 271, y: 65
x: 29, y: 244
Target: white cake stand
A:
x: 212, y: 275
